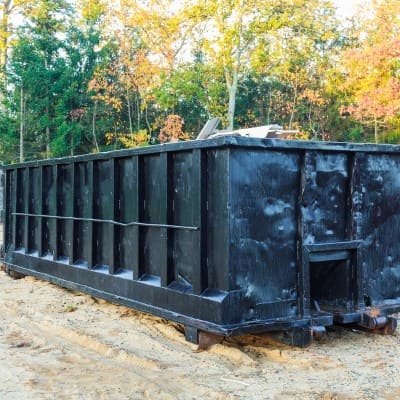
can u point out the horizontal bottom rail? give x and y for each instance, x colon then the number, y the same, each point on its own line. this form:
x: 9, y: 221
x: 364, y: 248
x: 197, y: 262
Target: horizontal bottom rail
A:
x: 248, y: 327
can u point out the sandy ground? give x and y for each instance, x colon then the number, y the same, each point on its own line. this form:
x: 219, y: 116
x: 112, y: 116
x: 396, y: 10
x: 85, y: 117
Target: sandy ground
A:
x: 59, y: 344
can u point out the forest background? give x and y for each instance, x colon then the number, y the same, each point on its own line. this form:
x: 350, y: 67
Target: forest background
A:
x: 81, y: 76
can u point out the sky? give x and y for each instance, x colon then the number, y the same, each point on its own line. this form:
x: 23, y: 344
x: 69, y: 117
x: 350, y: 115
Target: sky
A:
x: 348, y: 7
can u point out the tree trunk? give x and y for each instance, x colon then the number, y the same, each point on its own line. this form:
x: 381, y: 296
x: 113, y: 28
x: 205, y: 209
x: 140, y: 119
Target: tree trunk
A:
x: 293, y: 107
x: 232, y: 89
x: 376, y: 130
x: 232, y: 81
x: 232, y: 85
x: 47, y: 134
x: 21, y: 125
x: 138, y: 111
x: 147, y: 121
x: 128, y: 103
x: 269, y: 106
x: 47, y: 130
x: 47, y: 142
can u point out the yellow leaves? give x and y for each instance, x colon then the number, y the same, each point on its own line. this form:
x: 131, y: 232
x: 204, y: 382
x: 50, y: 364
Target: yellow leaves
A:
x: 105, y: 90
x: 91, y: 9
x: 137, y: 139
x: 159, y: 26
x: 139, y: 73
x: 301, y: 134
x: 8, y: 8
x: 313, y: 96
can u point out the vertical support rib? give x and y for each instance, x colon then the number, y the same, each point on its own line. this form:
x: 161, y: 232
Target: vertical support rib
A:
x: 303, y: 291
x: 48, y: 208
x: 40, y: 211
x: 71, y: 239
x: 166, y: 272
x: 351, y: 233
x: 117, y: 216
x: 198, y: 242
x: 57, y: 212
x: 12, y: 219
x: 111, y: 227
x: 136, y: 216
x: 89, y: 236
x: 26, y: 210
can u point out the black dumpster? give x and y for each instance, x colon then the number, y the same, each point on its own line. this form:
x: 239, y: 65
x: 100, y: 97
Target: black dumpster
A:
x: 1, y: 212
x: 229, y: 235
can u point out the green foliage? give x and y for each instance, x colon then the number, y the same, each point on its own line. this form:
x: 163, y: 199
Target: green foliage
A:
x: 194, y: 91
x: 8, y: 141
x: 92, y: 75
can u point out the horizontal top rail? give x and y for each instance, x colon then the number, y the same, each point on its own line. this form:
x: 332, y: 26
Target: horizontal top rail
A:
x: 220, y: 142
x: 109, y: 221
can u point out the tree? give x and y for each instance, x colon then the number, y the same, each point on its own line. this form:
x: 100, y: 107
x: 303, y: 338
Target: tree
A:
x: 36, y: 70
x: 294, y: 58
x: 371, y: 81
x: 277, y: 40
x: 83, y: 124
x: 150, y: 37
x: 225, y: 29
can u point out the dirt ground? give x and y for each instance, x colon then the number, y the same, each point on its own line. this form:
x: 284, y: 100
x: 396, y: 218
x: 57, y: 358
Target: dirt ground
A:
x: 59, y: 344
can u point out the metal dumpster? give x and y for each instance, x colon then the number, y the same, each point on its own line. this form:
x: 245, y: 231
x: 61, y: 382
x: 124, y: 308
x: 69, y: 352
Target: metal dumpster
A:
x: 1, y: 212
x: 229, y: 235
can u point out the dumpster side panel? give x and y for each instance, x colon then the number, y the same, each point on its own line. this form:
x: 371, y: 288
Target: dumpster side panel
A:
x: 376, y: 221
x: 72, y: 211
x: 72, y: 221
x: 263, y: 199
x: 2, y: 211
x: 324, y: 198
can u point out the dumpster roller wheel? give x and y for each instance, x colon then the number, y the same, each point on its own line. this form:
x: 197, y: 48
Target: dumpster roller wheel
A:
x: 13, y: 274
x: 380, y: 324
